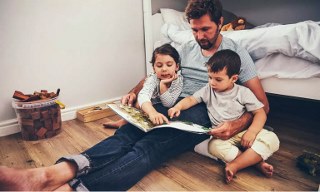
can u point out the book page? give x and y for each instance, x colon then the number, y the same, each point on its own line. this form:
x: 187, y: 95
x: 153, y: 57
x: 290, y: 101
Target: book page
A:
x: 139, y: 119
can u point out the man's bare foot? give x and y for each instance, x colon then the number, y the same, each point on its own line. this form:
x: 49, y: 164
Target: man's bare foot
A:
x: 265, y: 168
x: 65, y: 187
x: 115, y: 124
x: 229, y: 172
x: 36, y: 179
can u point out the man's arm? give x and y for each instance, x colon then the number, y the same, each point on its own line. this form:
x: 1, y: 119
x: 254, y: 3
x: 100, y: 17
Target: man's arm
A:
x: 131, y: 97
x: 255, y: 86
x: 230, y: 128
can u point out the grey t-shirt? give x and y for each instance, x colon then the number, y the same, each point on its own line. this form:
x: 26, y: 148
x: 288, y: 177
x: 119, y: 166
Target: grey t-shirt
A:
x: 193, y: 67
x: 228, y: 105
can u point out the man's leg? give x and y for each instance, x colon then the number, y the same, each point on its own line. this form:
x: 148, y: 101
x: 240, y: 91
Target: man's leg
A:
x: 149, y: 152
x: 67, y: 168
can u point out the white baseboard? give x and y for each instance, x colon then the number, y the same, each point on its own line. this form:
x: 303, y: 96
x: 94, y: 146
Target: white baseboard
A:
x: 11, y: 126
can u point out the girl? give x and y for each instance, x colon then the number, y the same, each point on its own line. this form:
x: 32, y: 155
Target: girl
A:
x: 164, y: 85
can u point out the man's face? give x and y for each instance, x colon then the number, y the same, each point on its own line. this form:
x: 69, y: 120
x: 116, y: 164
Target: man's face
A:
x: 205, y: 31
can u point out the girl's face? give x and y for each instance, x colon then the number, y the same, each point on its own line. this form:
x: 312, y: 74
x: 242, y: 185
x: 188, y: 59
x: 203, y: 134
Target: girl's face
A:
x: 220, y: 81
x: 165, y: 66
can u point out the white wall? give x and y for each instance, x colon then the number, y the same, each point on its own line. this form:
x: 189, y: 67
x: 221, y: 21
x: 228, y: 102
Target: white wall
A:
x: 93, y: 50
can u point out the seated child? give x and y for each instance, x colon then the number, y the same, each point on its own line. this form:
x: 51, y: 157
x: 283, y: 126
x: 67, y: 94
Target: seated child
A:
x: 164, y: 85
x: 227, y: 101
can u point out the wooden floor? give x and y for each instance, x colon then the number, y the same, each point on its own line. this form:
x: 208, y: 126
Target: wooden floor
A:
x: 295, y: 122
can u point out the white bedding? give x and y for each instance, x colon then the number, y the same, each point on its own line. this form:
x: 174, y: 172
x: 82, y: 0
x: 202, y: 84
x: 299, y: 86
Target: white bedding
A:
x: 300, y: 40
x: 282, y: 51
x: 282, y: 66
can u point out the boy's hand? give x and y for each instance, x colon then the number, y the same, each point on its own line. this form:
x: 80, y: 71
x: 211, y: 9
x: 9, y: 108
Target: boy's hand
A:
x: 248, y: 139
x: 158, y: 118
x: 173, y: 112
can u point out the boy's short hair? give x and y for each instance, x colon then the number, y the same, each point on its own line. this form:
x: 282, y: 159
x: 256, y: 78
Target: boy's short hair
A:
x: 166, y: 49
x: 225, y: 59
x: 198, y: 8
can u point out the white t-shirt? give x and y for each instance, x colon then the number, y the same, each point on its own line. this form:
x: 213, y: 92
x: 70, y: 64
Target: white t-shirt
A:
x: 228, y: 105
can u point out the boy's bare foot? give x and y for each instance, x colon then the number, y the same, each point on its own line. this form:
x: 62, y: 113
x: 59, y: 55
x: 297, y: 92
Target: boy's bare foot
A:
x: 115, y: 124
x: 265, y: 168
x: 35, y: 179
x: 229, y: 172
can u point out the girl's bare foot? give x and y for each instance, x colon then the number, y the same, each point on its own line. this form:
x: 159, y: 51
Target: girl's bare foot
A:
x: 265, y: 168
x: 115, y: 124
x: 35, y: 179
x: 229, y: 172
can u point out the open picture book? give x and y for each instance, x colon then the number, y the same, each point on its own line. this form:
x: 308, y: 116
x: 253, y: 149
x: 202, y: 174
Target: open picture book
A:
x: 139, y: 119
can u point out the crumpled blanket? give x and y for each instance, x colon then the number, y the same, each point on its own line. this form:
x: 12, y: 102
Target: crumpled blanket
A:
x: 300, y: 40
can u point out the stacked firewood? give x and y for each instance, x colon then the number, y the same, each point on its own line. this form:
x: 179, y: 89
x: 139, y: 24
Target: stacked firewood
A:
x: 39, y: 121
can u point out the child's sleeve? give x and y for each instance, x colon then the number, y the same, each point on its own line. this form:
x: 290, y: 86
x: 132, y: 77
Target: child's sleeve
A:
x: 169, y: 97
x: 147, y: 90
x: 201, y: 94
x: 250, y: 100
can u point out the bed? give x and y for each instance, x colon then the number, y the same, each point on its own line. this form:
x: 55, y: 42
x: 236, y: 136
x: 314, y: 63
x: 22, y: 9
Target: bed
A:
x: 287, y: 57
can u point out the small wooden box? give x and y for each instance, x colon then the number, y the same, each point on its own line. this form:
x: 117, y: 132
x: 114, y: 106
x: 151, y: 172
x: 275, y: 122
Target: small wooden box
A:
x: 94, y: 113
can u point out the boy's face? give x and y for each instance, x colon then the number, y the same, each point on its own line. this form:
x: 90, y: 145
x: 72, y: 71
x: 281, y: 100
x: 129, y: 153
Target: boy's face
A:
x: 220, y: 81
x: 165, y: 66
x: 205, y: 31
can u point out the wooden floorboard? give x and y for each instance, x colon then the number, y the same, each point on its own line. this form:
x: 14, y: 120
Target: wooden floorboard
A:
x: 295, y: 122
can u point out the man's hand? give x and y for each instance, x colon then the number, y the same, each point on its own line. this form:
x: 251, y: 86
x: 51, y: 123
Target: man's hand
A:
x: 129, y: 99
x: 228, y: 129
x: 158, y: 118
x: 222, y: 131
x: 173, y: 112
x: 248, y: 139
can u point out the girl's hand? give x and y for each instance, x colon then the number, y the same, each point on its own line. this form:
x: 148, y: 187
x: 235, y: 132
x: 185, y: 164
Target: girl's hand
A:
x: 166, y: 83
x: 158, y: 119
x: 248, y: 139
x: 173, y: 77
x: 173, y: 112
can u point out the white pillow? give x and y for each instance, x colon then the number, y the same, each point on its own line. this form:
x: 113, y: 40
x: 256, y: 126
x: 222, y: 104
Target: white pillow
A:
x: 175, y: 17
x: 157, y: 22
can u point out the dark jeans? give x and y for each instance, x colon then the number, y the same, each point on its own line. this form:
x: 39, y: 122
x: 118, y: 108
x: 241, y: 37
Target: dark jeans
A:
x: 120, y: 161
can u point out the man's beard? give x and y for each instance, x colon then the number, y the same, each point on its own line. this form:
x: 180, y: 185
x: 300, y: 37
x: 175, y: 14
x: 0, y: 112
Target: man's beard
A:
x: 208, y: 44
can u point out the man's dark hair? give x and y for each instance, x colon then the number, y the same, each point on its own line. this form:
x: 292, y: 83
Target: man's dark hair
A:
x: 198, y: 8
x: 225, y: 59
x: 166, y: 49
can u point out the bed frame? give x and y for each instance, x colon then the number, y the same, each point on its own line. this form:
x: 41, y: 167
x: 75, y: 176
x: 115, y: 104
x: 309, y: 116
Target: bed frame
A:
x: 308, y: 89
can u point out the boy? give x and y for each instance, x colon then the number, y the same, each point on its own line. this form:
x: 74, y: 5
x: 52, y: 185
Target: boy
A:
x: 227, y: 101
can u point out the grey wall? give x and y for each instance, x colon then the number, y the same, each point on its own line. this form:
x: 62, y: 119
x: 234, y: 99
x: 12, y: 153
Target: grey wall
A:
x: 92, y: 49
x: 173, y: 4
x: 259, y: 11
